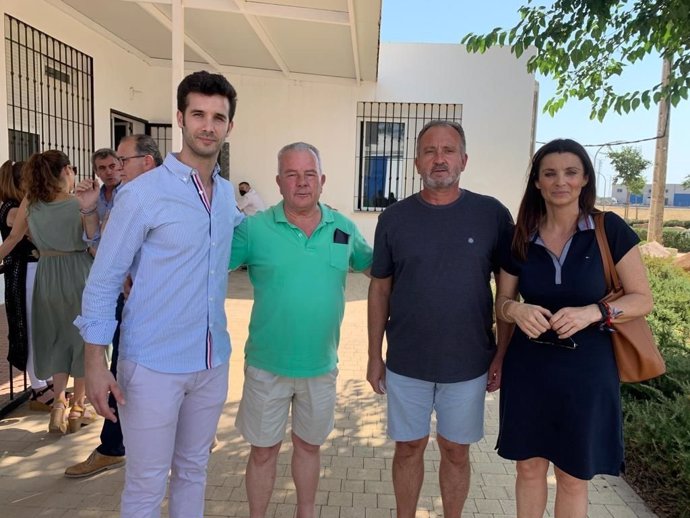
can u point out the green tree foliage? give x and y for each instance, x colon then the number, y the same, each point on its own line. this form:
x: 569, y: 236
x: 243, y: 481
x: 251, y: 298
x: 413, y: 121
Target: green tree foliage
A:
x: 686, y: 182
x: 585, y: 44
x: 629, y: 165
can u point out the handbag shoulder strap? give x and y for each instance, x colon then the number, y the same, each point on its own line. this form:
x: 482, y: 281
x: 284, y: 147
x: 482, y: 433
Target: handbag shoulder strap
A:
x: 610, y: 273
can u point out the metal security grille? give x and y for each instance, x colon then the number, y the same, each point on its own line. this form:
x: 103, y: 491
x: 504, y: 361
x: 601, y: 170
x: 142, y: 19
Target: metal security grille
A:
x: 50, y: 96
x: 162, y: 134
x: 386, y: 144
x: 50, y: 106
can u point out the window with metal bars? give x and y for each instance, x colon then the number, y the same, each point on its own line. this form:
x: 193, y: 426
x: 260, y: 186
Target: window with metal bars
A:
x: 162, y: 134
x: 49, y: 96
x: 386, y: 147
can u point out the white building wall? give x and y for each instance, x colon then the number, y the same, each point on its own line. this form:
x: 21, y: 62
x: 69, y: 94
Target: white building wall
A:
x: 118, y: 74
x: 496, y: 93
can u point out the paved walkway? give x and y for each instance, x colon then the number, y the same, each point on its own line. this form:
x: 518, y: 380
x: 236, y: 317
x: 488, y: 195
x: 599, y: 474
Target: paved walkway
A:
x: 356, y: 460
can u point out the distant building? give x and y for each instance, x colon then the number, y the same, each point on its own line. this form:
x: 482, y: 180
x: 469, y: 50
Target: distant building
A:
x: 675, y: 196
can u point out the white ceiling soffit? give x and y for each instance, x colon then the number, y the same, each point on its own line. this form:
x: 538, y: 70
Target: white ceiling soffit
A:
x: 299, y: 39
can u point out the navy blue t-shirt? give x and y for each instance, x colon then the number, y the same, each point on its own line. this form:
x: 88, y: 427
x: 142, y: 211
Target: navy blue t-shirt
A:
x: 441, y: 258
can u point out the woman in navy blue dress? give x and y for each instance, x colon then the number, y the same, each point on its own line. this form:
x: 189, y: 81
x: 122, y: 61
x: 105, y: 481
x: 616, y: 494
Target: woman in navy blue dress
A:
x: 560, y: 396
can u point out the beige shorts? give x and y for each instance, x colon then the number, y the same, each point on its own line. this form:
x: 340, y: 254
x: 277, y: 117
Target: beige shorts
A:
x: 265, y: 405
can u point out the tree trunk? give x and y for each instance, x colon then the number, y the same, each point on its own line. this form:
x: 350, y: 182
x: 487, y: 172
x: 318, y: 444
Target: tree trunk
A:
x: 656, y: 209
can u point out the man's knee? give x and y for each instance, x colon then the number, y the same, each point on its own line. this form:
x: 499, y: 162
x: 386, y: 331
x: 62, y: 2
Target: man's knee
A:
x: 411, y: 449
x: 264, y: 454
x: 303, y: 446
x: 453, y: 452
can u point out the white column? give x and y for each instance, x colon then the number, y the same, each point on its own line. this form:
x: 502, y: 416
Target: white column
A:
x: 177, y: 66
x: 4, y: 134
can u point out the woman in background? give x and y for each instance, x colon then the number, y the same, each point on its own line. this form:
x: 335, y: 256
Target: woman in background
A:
x: 52, y: 215
x: 19, y: 267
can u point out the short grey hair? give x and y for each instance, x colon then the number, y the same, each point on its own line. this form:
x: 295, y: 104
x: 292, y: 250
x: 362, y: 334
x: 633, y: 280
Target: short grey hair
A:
x: 146, y: 145
x: 101, y: 154
x: 300, y: 146
x: 449, y: 124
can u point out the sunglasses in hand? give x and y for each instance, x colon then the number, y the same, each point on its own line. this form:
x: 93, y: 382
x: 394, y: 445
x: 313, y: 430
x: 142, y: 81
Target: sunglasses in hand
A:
x: 550, y: 337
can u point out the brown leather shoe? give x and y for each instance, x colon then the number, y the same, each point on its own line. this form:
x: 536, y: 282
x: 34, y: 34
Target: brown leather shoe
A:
x: 94, y: 464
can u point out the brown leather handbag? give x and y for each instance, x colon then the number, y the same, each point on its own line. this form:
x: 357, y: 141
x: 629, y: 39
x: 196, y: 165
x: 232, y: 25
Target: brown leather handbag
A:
x: 637, y: 356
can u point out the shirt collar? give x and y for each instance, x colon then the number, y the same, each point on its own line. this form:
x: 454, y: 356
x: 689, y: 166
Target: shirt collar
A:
x: 326, y: 214
x: 586, y: 222
x: 102, y: 190
x: 184, y: 171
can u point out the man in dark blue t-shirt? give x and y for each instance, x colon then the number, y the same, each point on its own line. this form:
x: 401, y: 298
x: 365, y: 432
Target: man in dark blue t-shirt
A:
x: 430, y: 293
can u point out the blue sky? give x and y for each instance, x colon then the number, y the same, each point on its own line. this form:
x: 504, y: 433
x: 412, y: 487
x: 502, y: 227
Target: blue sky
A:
x: 447, y: 21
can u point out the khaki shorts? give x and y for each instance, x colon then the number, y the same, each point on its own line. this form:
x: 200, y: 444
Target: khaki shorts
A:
x: 265, y: 405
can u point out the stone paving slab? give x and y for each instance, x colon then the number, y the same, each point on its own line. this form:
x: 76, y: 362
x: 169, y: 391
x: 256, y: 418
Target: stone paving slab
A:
x: 356, y: 459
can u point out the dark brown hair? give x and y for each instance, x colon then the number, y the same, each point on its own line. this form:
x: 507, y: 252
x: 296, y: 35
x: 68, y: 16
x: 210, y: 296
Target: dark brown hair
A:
x: 532, y: 207
x: 205, y: 83
x: 42, y: 175
x: 11, y: 181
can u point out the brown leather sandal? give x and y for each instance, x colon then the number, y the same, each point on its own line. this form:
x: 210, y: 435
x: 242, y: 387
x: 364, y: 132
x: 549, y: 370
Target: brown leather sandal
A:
x: 57, y: 423
x: 80, y: 416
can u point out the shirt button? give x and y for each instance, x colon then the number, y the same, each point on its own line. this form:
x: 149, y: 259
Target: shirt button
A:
x: 212, y: 272
x: 213, y: 244
x: 210, y: 299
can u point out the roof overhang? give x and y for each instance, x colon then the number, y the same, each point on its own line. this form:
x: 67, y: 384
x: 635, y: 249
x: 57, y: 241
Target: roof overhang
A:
x: 320, y: 40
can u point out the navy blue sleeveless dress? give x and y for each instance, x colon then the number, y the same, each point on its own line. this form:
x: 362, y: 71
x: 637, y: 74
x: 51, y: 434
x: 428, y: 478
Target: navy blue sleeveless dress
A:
x: 557, y: 403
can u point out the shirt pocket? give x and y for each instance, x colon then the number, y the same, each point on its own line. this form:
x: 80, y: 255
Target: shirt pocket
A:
x: 340, y: 256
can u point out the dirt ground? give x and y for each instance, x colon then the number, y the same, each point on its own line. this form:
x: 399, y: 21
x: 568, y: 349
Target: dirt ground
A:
x: 635, y: 212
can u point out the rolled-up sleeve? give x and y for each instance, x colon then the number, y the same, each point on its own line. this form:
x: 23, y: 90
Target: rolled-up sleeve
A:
x: 119, y: 244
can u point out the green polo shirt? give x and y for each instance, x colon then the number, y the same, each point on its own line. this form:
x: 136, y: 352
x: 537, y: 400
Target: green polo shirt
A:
x: 299, y: 288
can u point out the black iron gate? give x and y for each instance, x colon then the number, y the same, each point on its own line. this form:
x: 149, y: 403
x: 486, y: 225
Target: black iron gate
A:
x: 49, y: 106
x: 49, y: 96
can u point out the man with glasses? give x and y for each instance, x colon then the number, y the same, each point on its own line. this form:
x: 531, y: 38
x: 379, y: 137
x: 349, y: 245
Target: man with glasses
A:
x: 135, y: 155
x: 172, y: 230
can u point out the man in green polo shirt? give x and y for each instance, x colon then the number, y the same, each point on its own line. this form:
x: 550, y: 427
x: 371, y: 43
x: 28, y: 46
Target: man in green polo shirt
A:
x: 298, y: 253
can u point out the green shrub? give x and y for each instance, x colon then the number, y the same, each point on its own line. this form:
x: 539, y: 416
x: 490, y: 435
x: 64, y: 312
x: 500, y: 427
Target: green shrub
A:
x: 669, y: 386
x: 657, y: 443
x: 677, y: 223
x: 641, y: 233
x: 675, y: 238
x: 670, y: 318
x: 657, y: 412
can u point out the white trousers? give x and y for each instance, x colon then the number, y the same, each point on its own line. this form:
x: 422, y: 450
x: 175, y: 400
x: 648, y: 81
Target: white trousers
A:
x: 168, y: 423
x: 36, y: 383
